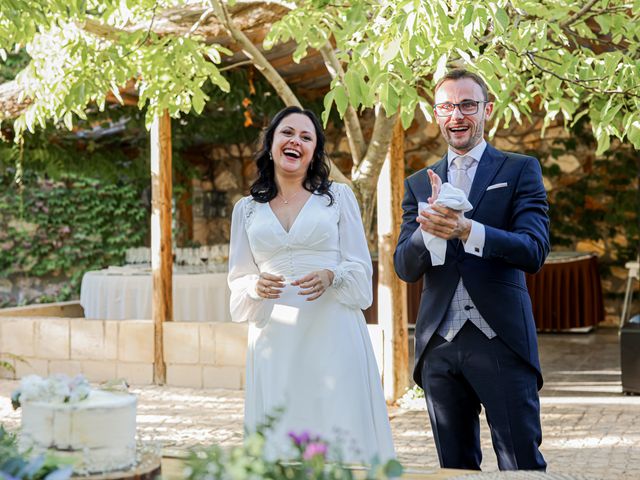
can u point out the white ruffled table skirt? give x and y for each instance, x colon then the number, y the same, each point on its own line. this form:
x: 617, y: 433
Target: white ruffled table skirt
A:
x: 117, y: 295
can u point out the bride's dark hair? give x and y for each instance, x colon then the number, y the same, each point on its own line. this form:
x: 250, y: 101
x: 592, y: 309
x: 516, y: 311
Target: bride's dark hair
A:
x: 317, y: 180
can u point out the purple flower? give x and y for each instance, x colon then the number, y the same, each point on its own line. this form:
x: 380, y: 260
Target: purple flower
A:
x: 301, y: 439
x: 315, y: 449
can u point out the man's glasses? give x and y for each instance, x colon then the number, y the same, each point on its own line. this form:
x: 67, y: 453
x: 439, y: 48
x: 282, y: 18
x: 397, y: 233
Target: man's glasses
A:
x: 468, y: 107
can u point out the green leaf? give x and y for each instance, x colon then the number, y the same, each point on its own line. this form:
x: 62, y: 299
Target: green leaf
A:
x: 353, y: 83
x: 426, y: 109
x: 390, y: 52
x: 68, y: 120
x: 602, y: 138
x: 328, y: 102
x: 341, y: 99
x: 198, y: 101
x: 501, y: 18
x: 393, y: 469
x: 441, y: 67
x: 633, y: 133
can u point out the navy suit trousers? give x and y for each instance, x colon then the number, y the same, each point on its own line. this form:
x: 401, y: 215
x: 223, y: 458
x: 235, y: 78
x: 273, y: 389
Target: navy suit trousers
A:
x: 461, y: 376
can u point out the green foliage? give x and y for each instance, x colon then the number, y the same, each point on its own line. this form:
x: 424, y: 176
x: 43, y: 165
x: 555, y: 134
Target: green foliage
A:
x: 601, y: 205
x: 90, y: 151
x: 565, y: 58
x: 250, y: 461
x: 15, y: 465
x: 12, y: 64
x: 558, y: 58
x: 224, y: 118
x: 80, y: 51
x: 66, y: 227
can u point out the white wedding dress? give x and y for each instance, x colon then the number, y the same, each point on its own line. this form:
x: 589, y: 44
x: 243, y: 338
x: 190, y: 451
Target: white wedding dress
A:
x: 313, y: 359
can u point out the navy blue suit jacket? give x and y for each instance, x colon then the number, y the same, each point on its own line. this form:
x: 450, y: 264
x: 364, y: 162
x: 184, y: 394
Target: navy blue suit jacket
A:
x: 516, y: 241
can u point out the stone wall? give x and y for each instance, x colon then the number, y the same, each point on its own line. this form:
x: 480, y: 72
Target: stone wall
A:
x: 200, y: 355
x: 235, y: 168
x: 19, y: 289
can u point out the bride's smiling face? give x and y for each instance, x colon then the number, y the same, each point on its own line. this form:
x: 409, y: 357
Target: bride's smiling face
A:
x: 294, y: 142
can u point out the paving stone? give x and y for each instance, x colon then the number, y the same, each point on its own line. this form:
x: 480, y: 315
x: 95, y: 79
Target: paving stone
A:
x: 587, y: 433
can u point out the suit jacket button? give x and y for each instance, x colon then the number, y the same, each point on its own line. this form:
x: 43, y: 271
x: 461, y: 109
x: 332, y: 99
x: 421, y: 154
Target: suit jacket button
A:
x: 468, y: 307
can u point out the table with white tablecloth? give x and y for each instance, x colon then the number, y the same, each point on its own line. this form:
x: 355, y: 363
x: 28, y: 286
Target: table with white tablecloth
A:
x: 122, y: 294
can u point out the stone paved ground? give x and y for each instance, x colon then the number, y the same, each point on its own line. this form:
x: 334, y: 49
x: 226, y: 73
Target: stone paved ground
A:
x: 589, y: 427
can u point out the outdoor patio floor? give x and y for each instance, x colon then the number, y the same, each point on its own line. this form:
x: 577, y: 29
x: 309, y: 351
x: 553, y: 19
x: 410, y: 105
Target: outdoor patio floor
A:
x: 590, y: 429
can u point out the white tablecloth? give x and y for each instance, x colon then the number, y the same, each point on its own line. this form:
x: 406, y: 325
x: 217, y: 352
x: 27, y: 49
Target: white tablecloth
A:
x: 118, y: 295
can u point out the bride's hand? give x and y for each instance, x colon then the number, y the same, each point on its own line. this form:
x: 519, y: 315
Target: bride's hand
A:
x: 269, y: 285
x: 314, y: 284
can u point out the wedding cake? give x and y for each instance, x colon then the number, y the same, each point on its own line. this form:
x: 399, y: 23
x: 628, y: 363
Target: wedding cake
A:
x: 95, y: 428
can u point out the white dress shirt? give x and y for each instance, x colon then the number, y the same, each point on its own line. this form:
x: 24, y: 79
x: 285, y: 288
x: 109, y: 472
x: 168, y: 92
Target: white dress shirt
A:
x: 475, y: 242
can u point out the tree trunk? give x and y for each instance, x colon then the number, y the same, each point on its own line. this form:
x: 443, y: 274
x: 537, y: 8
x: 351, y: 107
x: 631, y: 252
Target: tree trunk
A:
x: 365, y: 177
x: 392, y: 292
x: 161, y: 256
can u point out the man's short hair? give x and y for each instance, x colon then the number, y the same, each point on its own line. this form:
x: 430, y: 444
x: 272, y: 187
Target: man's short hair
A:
x: 459, y: 73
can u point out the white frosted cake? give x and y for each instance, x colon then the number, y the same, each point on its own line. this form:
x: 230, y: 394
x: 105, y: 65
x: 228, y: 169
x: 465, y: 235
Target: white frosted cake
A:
x: 97, y: 432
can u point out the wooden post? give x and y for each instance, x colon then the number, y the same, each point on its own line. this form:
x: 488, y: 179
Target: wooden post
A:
x: 392, y: 292
x: 161, y: 255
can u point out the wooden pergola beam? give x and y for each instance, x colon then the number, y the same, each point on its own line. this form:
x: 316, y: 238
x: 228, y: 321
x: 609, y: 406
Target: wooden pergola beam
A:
x: 392, y: 292
x: 161, y: 255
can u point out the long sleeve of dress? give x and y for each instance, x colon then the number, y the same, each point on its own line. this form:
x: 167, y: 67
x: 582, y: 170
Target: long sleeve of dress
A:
x: 353, y: 275
x: 245, y: 304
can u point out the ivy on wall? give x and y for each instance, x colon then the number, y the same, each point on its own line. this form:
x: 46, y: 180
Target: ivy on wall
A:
x: 600, y: 202
x: 65, y: 227
x: 78, y: 204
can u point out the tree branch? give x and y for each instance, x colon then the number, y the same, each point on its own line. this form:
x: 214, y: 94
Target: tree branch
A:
x: 269, y: 72
x: 259, y: 60
x: 573, y: 18
x: 203, y: 18
x: 582, y: 83
x: 357, y: 144
x: 366, y: 176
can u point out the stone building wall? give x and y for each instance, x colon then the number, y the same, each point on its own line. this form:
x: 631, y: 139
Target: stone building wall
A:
x: 424, y: 146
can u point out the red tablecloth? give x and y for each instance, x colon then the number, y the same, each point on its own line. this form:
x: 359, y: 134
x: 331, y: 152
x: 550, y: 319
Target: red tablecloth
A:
x: 566, y: 293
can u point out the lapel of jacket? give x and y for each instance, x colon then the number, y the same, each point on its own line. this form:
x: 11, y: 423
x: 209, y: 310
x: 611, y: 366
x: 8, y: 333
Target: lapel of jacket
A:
x: 488, y: 166
x: 421, y: 186
x: 441, y: 167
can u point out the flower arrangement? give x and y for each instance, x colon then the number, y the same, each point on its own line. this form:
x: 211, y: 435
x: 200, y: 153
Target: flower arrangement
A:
x: 413, y: 399
x: 55, y: 389
x: 15, y: 465
x: 249, y: 461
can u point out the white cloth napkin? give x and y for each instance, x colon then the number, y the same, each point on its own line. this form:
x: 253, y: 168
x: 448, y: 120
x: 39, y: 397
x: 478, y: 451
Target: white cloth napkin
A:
x: 450, y: 197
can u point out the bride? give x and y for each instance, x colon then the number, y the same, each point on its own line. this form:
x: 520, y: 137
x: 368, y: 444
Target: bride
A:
x: 300, y: 274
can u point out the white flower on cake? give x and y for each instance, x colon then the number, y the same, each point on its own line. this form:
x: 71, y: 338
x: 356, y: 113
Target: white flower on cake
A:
x: 58, y: 388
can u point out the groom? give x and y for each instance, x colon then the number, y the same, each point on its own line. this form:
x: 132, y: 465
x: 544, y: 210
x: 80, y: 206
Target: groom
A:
x: 475, y: 335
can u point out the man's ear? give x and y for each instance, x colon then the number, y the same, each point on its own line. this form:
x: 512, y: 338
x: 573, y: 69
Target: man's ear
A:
x: 488, y: 109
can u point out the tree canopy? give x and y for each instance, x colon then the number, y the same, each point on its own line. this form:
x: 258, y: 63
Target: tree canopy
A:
x: 556, y: 56
x: 563, y: 58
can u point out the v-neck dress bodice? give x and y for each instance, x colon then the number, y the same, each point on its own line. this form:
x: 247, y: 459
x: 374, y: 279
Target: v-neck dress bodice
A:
x: 313, y: 237
x: 313, y: 359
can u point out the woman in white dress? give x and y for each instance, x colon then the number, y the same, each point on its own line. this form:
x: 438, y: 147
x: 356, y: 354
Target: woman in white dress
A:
x: 300, y: 274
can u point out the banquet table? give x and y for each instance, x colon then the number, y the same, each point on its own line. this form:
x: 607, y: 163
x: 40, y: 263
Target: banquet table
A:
x: 566, y: 293
x: 125, y: 293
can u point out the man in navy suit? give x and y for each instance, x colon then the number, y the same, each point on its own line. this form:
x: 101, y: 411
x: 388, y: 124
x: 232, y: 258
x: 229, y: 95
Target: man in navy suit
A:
x: 475, y: 335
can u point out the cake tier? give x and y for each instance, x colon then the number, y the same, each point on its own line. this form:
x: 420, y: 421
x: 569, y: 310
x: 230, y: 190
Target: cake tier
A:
x: 98, y: 432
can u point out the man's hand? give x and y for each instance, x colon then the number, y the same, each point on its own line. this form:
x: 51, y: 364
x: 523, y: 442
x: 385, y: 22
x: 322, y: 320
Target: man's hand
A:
x: 436, y: 185
x: 445, y: 223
